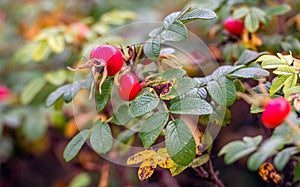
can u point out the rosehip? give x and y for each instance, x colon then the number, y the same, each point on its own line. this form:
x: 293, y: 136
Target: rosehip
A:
x: 80, y: 30
x: 4, y: 93
x: 234, y: 26
x: 129, y: 87
x: 276, y: 110
x: 112, y: 57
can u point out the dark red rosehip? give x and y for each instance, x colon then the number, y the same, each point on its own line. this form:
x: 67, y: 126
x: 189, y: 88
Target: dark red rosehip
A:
x: 129, y: 87
x: 234, y: 26
x: 276, y: 110
x: 111, y: 55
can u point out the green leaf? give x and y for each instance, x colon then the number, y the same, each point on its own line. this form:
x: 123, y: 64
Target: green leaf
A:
x: 222, y: 91
x: 200, y: 161
x: 198, y: 14
x: 254, y: 73
x: 179, y: 87
x: 152, y: 127
x: 251, y: 22
x: 176, y: 32
x: 32, y: 89
x: 41, y: 52
x: 121, y: 117
x: 180, y: 142
x: 297, y: 172
x: 277, y: 84
x: 56, y: 94
x: 248, y: 56
x: 267, y: 149
x: 241, y: 12
x: 271, y: 62
x: 193, y: 106
x: 262, y: 16
x: 290, y: 82
x: 284, y: 156
x: 236, y: 150
x: 292, y: 90
x: 256, y: 109
x: 103, y: 98
x: 152, y: 48
x: 143, y: 104
x: 170, y: 19
x: 223, y: 71
x: 101, y: 138
x: 56, y: 78
x: 57, y: 43
x: 284, y: 71
x: 70, y: 93
x: 75, y: 145
x: 221, y: 116
x: 81, y: 180
x: 279, y: 10
x: 35, y: 127
x: 171, y: 74
x: 156, y: 31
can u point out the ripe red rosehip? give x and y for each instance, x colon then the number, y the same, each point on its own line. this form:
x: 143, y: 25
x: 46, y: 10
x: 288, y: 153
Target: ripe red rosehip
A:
x: 276, y: 110
x: 234, y: 26
x: 129, y: 87
x: 112, y: 57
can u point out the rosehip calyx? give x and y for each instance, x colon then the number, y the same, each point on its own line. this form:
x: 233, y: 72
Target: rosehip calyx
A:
x: 110, y: 55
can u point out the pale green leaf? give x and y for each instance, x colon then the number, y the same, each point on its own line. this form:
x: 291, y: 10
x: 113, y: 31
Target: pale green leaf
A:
x: 101, y: 138
x: 76, y: 144
x: 32, y: 89
x: 251, y: 22
x: 193, y: 106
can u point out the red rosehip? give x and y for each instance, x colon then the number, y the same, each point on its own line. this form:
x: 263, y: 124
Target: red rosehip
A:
x: 276, y: 110
x: 234, y: 26
x: 4, y: 93
x: 112, y: 57
x: 80, y: 30
x: 129, y: 87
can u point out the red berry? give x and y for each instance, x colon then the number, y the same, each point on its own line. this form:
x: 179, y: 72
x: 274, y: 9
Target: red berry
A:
x: 112, y: 57
x: 234, y: 26
x: 276, y: 110
x: 129, y: 87
x: 4, y: 93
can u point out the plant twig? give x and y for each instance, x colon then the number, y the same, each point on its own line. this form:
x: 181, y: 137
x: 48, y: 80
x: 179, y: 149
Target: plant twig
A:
x: 104, y: 175
x: 214, y: 175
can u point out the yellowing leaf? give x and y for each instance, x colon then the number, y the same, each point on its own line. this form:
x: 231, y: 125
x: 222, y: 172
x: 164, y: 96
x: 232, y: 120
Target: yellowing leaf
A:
x: 140, y: 157
x: 164, y: 160
x: 147, y: 168
x: 177, y: 169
